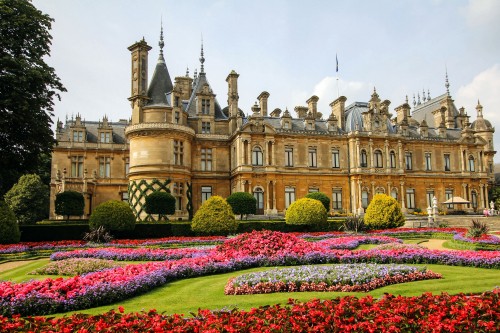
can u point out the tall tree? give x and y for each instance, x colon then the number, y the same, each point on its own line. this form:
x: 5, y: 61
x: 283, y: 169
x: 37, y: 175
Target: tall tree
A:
x: 28, y: 87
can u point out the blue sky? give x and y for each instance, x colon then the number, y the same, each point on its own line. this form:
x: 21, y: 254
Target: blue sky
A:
x: 287, y: 48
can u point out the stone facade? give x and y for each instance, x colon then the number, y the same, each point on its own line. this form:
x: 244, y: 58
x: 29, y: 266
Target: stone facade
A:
x: 179, y: 137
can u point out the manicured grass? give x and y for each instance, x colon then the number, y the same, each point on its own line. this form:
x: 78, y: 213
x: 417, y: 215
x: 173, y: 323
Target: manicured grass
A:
x: 188, y: 295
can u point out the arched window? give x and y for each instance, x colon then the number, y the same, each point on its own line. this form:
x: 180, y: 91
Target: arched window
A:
x: 472, y: 166
x: 394, y: 193
x: 257, y: 156
x: 378, y: 159
x: 393, y: 159
x: 363, y: 159
x: 474, y: 199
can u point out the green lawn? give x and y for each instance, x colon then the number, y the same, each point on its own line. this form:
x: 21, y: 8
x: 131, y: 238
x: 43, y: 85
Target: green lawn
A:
x: 188, y: 295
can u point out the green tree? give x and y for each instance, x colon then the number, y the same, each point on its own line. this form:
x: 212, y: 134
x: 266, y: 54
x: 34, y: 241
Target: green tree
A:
x: 161, y: 203
x: 29, y: 199
x: 306, y: 211
x: 69, y: 203
x: 28, y: 87
x: 112, y: 215
x: 384, y: 212
x: 242, y: 203
x: 9, y: 229
x: 214, y: 217
x: 322, y: 197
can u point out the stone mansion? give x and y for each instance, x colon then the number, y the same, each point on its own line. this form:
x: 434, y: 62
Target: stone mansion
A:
x: 179, y: 137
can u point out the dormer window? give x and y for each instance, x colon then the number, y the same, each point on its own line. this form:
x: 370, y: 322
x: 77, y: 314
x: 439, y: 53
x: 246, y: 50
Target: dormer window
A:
x: 286, y: 125
x: 205, y: 106
x: 78, y: 135
x: 105, y: 137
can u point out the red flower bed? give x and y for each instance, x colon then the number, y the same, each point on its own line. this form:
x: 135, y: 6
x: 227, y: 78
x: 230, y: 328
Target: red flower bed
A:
x: 425, y: 313
x: 266, y: 243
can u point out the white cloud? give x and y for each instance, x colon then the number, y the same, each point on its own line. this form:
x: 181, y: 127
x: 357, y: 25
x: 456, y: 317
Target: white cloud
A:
x: 484, y: 87
x: 482, y: 13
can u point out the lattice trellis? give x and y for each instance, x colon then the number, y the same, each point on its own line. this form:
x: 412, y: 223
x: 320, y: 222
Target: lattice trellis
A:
x: 137, y: 192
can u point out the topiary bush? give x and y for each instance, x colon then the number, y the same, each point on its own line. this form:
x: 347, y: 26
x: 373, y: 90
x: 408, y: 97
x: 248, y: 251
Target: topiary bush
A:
x: 29, y: 199
x: 322, y: 197
x: 242, y: 203
x: 306, y: 211
x: 214, y: 217
x: 161, y: 203
x: 69, y: 203
x: 113, y: 215
x: 384, y: 212
x: 9, y: 229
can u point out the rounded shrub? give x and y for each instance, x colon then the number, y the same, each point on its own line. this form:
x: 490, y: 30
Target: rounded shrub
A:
x: 242, y: 203
x: 161, y: 203
x: 215, y: 217
x: 306, y: 211
x: 9, y: 229
x: 113, y: 215
x: 384, y: 212
x: 69, y: 203
x: 322, y: 197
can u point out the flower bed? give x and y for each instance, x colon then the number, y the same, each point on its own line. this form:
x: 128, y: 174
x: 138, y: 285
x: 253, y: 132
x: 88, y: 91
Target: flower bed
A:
x: 346, y: 278
x: 75, y: 266
x: 352, y: 242
x: 425, y: 313
x: 261, y: 249
x: 131, y: 254
x: 485, y: 242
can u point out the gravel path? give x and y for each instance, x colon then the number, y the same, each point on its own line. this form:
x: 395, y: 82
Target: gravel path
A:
x: 434, y: 244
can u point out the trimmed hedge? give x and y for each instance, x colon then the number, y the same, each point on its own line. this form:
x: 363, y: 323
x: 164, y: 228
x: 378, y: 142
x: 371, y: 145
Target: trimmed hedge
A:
x: 242, y: 203
x: 69, y: 203
x: 306, y: 211
x: 113, y: 215
x: 322, y: 197
x: 215, y: 217
x: 384, y: 212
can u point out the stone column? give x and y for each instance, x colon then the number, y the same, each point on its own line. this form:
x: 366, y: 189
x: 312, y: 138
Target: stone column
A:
x: 400, y: 153
x: 403, y: 206
x: 370, y: 151
x: 360, y: 204
x: 358, y: 152
x: 387, y: 156
x: 353, y: 199
x: 481, y: 196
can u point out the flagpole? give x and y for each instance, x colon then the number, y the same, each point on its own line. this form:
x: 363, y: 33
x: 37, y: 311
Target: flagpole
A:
x: 337, y: 73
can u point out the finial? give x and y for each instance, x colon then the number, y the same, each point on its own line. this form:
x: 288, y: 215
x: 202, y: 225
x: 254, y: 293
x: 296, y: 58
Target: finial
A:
x: 195, y: 73
x: 447, y: 83
x: 414, y: 103
x: 423, y: 95
x: 406, y: 99
x: 187, y: 71
x: 161, y: 44
x: 202, y: 58
x: 418, y: 99
x: 428, y: 95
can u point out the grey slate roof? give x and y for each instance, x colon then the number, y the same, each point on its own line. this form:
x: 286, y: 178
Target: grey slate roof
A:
x: 200, y: 81
x: 353, y: 118
x: 92, y: 128
x: 424, y: 110
x: 160, y: 86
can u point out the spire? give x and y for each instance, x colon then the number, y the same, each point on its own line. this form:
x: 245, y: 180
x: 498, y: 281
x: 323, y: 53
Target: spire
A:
x: 161, y: 44
x: 479, y: 109
x: 202, y: 58
x: 447, y: 83
x: 187, y: 71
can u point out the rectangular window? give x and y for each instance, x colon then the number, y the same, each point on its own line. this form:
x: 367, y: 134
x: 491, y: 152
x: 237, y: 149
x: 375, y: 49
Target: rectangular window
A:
x: 428, y: 165
x: 76, y: 166
x: 313, y: 189
x: 335, y: 158
x: 409, y: 161
x: 337, y: 199
x: 364, y: 199
x: 205, y: 106
x: 313, y: 160
x: 378, y: 159
x: 430, y: 195
x: 206, y: 193
x: 78, y: 136
x: 410, y: 198
x: 288, y: 156
x: 447, y: 164
x: 176, y: 101
x: 178, y: 194
x: 105, y: 137
x: 472, y: 166
x: 124, y: 196
x: 393, y: 160
x: 127, y: 165
x: 448, y: 194
x: 289, y: 196
x: 104, y: 167
x: 205, y: 127
x: 206, y: 159
x: 178, y: 152
x: 177, y: 116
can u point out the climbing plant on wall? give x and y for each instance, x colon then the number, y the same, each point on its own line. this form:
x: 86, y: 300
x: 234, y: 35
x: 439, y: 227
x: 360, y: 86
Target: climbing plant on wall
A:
x: 138, y: 190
